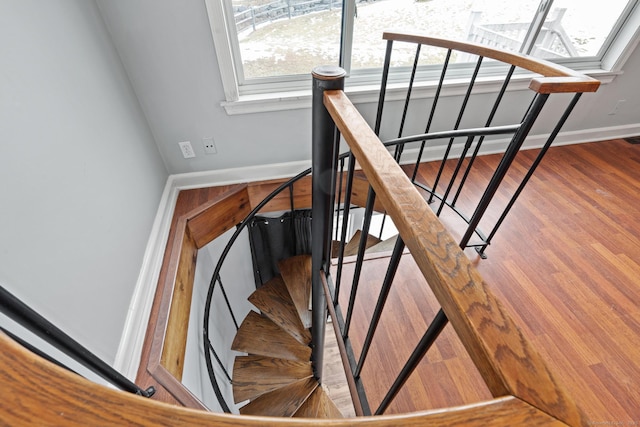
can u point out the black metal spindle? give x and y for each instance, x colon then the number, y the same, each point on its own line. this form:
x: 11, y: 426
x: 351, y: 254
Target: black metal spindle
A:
x: 427, y: 340
x: 366, y: 224
x: 383, y: 86
x: 215, y: 355
x: 532, y: 169
x: 226, y: 300
x: 503, y: 166
x: 492, y: 114
x: 465, y: 101
x: 407, y: 99
x: 432, y: 113
x: 324, y: 152
x: 34, y: 322
x: 339, y: 197
x: 394, y: 262
x: 345, y: 225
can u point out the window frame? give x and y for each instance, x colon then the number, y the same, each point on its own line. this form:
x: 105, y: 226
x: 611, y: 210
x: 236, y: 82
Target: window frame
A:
x: 294, y: 92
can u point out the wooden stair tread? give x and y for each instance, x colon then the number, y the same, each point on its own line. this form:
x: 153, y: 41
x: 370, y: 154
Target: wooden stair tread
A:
x: 319, y: 405
x: 283, y: 402
x: 259, y: 335
x: 296, y: 273
x: 256, y: 375
x: 384, y: 246
x: 274, y: 301
x: 352, y: 246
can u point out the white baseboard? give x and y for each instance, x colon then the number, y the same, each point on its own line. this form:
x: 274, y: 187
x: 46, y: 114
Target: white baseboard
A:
x: 127, y: 358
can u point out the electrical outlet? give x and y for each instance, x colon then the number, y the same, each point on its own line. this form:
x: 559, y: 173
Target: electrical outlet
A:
x: 187, y: 149
x: 209, y: 145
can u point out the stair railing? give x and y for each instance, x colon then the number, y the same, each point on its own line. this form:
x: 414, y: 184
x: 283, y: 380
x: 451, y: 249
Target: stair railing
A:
x: 508, y: 363
x: 24, y: 315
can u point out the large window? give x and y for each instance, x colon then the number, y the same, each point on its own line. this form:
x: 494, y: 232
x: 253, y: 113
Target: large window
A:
x: 271, y: 45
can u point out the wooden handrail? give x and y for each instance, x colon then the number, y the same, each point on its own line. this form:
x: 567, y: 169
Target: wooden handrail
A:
x: 555, y: 78
x: 35, y: 392
x: 506, y: 360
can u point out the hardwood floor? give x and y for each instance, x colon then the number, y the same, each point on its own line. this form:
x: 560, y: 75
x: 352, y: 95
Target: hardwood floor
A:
x: 565, y: 263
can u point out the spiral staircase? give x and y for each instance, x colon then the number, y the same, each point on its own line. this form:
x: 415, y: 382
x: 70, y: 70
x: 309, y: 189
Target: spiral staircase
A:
x: 276, y: 376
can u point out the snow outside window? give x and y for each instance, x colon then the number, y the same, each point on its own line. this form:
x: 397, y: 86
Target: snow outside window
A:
x: 267, y: 46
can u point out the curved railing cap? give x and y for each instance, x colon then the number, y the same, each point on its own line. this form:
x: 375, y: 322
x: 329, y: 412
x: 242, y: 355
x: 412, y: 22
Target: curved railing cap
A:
x: 555, y: 78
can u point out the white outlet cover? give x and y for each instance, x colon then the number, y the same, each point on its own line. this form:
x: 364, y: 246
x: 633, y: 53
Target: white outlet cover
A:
x: 187, y: 149
x: 209, y: 145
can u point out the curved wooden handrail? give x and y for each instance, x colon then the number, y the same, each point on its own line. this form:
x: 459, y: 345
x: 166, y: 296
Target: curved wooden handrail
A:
x: 506, y: 360
x: 555, y: 78
x: 34, y: 392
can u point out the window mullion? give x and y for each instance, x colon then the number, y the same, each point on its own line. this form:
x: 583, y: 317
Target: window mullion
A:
x: 346, y: 36
x: 529, y: 41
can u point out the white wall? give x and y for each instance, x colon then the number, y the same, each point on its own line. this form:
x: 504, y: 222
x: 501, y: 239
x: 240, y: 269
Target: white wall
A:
x: 80, y: 176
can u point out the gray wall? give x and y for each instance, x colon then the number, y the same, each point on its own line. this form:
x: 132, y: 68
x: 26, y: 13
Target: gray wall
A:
x: 80, y: 175
x: 167, y: 48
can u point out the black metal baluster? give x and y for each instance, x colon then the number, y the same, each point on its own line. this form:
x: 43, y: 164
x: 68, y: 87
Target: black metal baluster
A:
x: 213, y: 351
x: 382, y: 298
x: 345, y: 225
x: 436, y: 98
x: 427, y: 340
x: 467, y: 145
x: 503, y: 167
x: 532, y: 169
x: 368, y: 212
x: 492, y: 114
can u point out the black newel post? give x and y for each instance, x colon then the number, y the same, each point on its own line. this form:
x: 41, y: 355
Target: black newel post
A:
x: 325, y: 142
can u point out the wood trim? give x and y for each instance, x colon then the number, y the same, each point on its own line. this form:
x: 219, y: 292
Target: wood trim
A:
x: 175, y: 337
x: 507, y: 361
x: 162, y: 358
x: 258, y: 191
x: 215, y: 217
x: 555, y: 78
x: 36, y: 392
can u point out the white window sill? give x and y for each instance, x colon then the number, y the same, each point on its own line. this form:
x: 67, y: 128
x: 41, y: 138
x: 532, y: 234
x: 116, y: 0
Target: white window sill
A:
x: 301, y: 99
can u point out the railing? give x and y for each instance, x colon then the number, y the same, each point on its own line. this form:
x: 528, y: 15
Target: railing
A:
x: 34, y: 322
x: 507, y: 362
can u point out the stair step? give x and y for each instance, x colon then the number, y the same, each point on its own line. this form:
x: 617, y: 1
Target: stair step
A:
x: 296, y: 273
x: 274, y: 301
x: 352, y: 246
x: 385, y: 245
x: 283, y: 402
x: 319, y: 405
x: 254, y: 376
x: 259, y: 335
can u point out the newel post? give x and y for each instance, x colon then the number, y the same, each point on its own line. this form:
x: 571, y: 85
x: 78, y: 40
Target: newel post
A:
x: 325, y: 143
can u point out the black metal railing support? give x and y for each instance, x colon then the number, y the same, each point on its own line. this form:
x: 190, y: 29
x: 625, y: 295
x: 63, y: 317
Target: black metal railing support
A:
x: 325, y: 142
x: 34, y: 322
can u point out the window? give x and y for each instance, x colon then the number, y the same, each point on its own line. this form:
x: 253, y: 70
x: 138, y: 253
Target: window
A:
x: 270, y: 46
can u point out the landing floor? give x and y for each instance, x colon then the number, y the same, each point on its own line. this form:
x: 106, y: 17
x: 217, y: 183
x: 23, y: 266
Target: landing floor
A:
x: 566, y: 264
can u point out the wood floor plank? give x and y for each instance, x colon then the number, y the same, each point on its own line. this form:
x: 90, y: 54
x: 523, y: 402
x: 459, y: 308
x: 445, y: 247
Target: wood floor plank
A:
x: 274, y: 301
x: 256, y: 375
x: 260, y: 336
x: 566, y: 265
x: 296, y: 273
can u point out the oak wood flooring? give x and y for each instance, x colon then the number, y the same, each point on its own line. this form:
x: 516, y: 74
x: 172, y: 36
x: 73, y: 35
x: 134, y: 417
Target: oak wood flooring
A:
x: 565, y: 263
